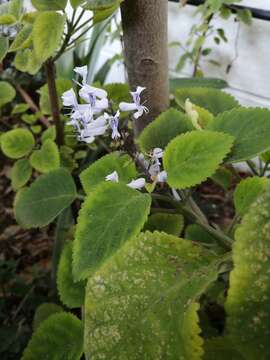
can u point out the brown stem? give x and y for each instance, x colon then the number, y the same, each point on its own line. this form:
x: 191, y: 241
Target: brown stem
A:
x: 50, y: 74
x: 146, y: 53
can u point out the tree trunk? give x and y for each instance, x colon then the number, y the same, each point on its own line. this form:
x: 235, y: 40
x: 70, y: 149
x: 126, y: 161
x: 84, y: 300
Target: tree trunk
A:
x: 145, y: 34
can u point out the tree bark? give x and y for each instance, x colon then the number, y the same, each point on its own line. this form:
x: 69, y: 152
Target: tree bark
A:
x: 145, y: 36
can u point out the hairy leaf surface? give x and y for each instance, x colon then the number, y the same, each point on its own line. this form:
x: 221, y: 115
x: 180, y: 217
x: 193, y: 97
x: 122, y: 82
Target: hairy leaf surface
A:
x: 250, y: 128
x: 17, y: 143
x: 191, y: 158
x: 43, y: 312
x: 97, y: 172
x: 142, y: 303
x: 40, y: 203
x: 110, y: 216
x: 47, y: 158
x: 248, y: 305
x: 58, y: 337
x: 163, y: 129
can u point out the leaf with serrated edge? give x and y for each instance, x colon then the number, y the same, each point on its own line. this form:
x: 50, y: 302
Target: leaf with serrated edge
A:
x: 71, y: 293
x: 58, y: 337
x: 17, y: 143
x: 214, y: 100
x: 142, y: 303
x: 47, y: 32
x: 250, y: 128
x: 191, y: 158
x: 169, y: 223
x: 110, y: 216
x: 163, y: 129
x: 47, y: 196
x: 43, y: 312
x: 248, y: 306
x: 97, y: 172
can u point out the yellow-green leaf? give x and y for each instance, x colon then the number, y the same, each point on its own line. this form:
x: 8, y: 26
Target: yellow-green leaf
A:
x: 17, y: 143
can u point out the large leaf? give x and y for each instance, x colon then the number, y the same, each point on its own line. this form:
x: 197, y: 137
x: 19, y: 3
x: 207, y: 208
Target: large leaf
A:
x: 47, y: 158
x: 247, y: 191
x: 110, y: 216
x: 163, y: 129
x: 170, y: 223
x: 17, y: 143
x: 20, y: 173
x: 213, y: 100
x: 39, y: 204
x: 191, y: 158
x: 71, y: 293
x: 248, y: 305
x: 43, y: 5
x: 58, y: 337
x: 96, y: 173
x: 197, y: 82
x: 142, y: 303
x: 47, y: 32
x: 3, y: 47
x: 250, y: 128
x: 7, y: 93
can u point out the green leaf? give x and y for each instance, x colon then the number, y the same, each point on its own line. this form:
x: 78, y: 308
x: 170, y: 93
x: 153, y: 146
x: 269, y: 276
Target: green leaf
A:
x: 220, y: 348
x: 169, y: 223
x: 117, y: 92
x: 49, y: 133
x: 142, y: 303
x: 195, y: 232
x: 58, y: 337
x: 245, y: 15
x: 43, y: 312
x: 76, y: 3
x: 62, y: 85
x: 20, y: 108
x: 101, y: 4
x: 47, y: 158
x: 17, y: 143
x: 23, y: 39
x: 15, y: 8
x: 21, y: 172
x: 110, y: 216
x: 22, y: 59
x: 43, y: 5
x: 71, y: 293
x: 7, y: 93
x: 247, y: 192
x: 47, y: 32
x: 213, y: 100
x: 223, y: 177
x: 251, y: 129
x: 97, y: 172
x: 247, y: 305
x: 191, y: 158
x: 7, y: 19
x: 3, y: 47
x: 39, y: 204
x: 197, y: 82
x: 163, y: 129
x: 103, y: 14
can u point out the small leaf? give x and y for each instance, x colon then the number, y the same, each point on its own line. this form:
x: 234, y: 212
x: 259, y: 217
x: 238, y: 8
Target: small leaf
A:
x: 96, y: 173
x: 76, y: 3
x: 213, y: 100
x: 169, y: 223
x: 47, y: 158
x: 7, y: 93
x: 21, y: 172
x: 191, y: 158
x: 62, y: 85
x: 71, y: 293
x: 23, y: 39
x: 110, y: 216
x: 17, y: 143
x: 247, y: 192
x: 163, y: 129
x: 43, y: 5
x: 49, y: 133
x: 58, y: 337
x: 247, y: 305
x: 43, y: 312
x: 142, y: 303
x: 47, y: 32
x: 251, y: 129
x: 103, y: 14
x: 39, y: 204
x: 20, y: 108
x: 7, y: 19
x: 3, y: 47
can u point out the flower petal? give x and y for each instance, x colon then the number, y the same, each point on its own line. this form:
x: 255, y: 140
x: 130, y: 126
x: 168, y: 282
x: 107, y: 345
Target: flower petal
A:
x: 83, y: 72
x: 124, y: 106
x: 137, y: 184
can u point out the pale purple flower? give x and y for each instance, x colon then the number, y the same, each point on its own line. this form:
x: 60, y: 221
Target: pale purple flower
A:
x: 113, y: 177
x: 94, y: 128
x: 137, y: 184
x: 114, y: 122
x: 136, y: 105
x: 69, y: 98
x: 83, y: 72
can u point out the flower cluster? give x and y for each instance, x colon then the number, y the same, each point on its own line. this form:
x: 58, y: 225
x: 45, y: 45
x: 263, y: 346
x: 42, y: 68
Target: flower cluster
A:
x: 90, y: 119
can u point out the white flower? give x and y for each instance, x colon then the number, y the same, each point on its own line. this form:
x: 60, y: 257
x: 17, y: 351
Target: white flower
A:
x: 192, y: 114
x: 113, y: 177
x: 136, y: 105
x: 83, y: 72
x: 69, y: 98
x: 157, y: 153
x: 161, y: 177
x: 137, y: 184
x: 113, y: 122
x: 94, y: 128
x: 90, y: 94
